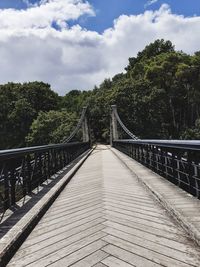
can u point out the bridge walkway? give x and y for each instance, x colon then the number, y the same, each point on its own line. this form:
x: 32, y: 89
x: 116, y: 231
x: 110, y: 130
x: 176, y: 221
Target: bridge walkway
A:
x: 105, y: 217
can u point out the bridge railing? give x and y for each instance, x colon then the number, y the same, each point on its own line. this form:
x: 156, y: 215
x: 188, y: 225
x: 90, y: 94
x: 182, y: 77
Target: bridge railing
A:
x: 24, y: 169
x: 177, y: 161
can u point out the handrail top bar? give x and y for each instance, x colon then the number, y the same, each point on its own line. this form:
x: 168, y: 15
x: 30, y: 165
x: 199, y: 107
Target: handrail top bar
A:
x: 184, y: 144
x: 12, y: 153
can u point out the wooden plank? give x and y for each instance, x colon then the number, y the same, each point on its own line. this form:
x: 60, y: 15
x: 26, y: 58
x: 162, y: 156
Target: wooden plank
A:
x: 62, y: 258
x: 159, y: 232
x: 129, y: 257
x: 115, y: 262
x: 74, y: 198
x: 29, y: 255
x: 44, y: 229
x: 171, y: 229
x: 77, y: 200
x: 165, y: 241
x: 66, y: 208
x: 36, y: 246
x: 135, y: 207
x: 155, y: 257
x: 44, y: 258
x: 139, y: 215
x: 75, y: 214
x: 35, y: 239
x: 99, y: 264
x: 131, y: 195
x: 152, y: 246
x: 92, y: 259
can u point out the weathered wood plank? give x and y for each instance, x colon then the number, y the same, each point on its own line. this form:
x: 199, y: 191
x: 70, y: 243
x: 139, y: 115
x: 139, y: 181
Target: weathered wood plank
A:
x: 129, y: 257
x: 56, y: 253
x: 165, y: 241
x: 145, y: 253
x: 152, y: 246
x: 139, y: 215
x: 135, y: 207
x: 65, y: 221
x: 146, y: 222
x: 92, y: 259
x: 76, y: 214
x: 67, y: 209
x: 78, y: 255
x: 32, y: 246
x: 35, y: 239
x: 115, y: 262
x: 146, y: 228
x: 100, y: 264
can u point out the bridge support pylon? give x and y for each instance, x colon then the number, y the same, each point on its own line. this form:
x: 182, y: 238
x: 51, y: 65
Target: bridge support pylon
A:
x: 113, y: 125
x: 85, y: 129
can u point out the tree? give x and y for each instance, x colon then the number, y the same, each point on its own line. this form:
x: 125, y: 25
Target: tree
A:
x: 20, y: 119
x: 75, y: 100
x: 20, y: 104
x: 51, y: 127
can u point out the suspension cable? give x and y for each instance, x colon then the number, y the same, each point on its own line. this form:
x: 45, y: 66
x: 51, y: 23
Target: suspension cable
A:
x: 123, y: 126
x: 78, y: 126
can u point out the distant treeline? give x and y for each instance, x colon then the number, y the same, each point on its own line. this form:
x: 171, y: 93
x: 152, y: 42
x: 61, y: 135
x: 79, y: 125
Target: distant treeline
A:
x: 157, y: 97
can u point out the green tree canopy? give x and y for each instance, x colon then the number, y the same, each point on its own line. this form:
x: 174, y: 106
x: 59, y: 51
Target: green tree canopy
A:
x: 20, y: 104
x: 51, y: 127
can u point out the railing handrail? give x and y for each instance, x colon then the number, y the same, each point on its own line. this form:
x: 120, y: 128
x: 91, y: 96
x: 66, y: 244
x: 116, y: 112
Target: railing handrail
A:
x: 181, y: 144
x: 176, y: 160
x: 24, y: 169
x: 13, y: 153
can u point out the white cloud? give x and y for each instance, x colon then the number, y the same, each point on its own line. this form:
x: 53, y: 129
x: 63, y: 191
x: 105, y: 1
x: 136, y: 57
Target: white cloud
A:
x: 42, y: 15
x: 150, y: 2
x: 30, y: 49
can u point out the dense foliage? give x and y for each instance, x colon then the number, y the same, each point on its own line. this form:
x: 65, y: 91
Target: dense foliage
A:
x: 158, y: 96
x: 51, y: 127
x: 20, y: 105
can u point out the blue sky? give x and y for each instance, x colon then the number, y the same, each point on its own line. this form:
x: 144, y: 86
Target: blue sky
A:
x: 108, y: 10
x: 73, y: 44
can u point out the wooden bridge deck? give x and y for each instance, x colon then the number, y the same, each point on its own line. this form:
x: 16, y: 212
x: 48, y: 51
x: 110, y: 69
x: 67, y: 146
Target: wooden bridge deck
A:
x: 105, y: 217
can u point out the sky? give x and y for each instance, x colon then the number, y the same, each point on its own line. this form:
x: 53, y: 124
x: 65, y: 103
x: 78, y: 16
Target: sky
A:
x: 76, y: 44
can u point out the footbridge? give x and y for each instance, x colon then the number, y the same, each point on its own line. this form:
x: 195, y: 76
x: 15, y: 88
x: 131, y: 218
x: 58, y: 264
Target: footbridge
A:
x: 131, y: 203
